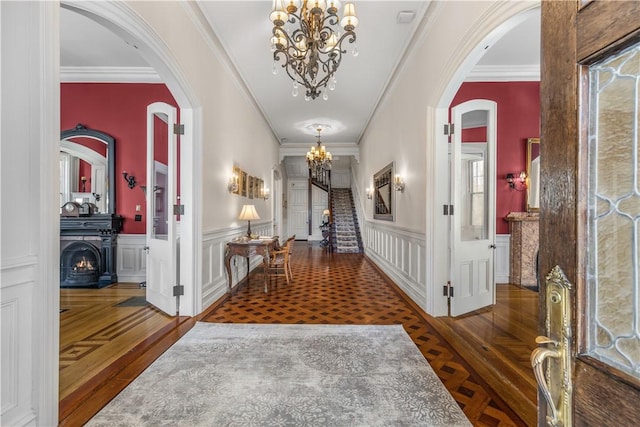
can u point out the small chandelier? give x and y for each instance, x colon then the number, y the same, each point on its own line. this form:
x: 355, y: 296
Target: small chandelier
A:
x: 319, y: 157
x: 313, y: 50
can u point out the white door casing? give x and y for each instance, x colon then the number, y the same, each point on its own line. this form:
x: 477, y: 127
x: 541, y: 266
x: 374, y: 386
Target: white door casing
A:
x: 161, y: 227
x: 473, y: 222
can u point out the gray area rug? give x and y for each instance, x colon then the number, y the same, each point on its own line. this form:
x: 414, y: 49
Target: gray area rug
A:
x: 286, y: 375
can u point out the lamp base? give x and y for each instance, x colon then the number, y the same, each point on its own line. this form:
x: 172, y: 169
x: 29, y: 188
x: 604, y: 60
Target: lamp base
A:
x: 249, y: 229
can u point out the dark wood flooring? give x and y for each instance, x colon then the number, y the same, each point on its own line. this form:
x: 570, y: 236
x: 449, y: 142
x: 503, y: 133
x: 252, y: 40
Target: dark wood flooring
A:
x: 482, y: 358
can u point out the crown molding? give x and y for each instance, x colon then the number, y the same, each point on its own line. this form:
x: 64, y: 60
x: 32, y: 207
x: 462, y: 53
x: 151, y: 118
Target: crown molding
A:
x: 109, y: 75
x: 502, y: 73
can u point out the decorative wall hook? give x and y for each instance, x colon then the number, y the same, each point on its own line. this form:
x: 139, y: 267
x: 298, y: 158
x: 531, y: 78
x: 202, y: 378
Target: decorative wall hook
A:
x: 131, y: 180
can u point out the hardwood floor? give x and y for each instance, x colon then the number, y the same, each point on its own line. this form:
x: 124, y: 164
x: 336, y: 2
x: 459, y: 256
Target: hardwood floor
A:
x: 98, y: 342
x: 481, y: 358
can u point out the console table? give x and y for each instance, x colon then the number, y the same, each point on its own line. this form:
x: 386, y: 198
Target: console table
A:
x: 247, y: 248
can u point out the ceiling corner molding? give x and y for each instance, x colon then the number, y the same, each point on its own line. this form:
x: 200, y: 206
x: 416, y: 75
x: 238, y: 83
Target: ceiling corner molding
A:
x: 109, y: 75
x: 501, y: 73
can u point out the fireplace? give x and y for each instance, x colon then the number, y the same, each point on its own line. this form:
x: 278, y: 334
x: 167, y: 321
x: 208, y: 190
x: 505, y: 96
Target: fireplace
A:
x: 80, y: 265
x: 88, y: 247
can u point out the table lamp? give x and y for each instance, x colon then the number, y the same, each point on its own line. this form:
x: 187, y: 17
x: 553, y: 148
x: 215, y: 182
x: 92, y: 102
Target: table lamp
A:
x: 247, y: 214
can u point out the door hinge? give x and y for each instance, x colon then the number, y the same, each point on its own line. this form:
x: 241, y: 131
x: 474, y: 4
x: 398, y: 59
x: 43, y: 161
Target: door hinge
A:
x: 448, y: 129
x: 178, y: 129
x: 178, y: 290
x: 178, y: 209
x: 447, y: 209
x: 447, y: 290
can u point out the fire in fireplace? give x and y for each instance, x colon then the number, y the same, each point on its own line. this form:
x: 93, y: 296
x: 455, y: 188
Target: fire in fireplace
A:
x: 80, y: 265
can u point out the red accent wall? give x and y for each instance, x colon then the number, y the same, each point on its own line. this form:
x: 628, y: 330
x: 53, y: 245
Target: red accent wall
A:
x: 121, y: 111
x: 518, y: 119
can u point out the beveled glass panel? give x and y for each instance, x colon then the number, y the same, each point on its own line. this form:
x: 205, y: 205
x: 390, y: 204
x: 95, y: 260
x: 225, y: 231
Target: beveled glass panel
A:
x: 613, y: 327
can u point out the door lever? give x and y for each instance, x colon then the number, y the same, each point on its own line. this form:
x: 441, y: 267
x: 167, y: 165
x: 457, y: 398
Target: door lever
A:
x: 551, y: 359
x: 146, y: 249
x: 492, y: 246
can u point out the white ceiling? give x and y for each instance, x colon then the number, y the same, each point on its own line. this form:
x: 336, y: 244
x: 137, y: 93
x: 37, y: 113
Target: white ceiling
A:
x: 90, y: 52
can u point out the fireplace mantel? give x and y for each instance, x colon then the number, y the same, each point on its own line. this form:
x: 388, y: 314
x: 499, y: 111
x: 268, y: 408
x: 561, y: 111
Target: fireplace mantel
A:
x: 523, y: 227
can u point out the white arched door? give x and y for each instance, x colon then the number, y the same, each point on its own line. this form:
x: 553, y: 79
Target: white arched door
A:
x: 473, y: 181
x: 162, y: 246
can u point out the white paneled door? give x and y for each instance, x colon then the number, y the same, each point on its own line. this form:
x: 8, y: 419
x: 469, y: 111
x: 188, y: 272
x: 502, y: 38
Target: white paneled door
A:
x: 298, y: 209
x: 161, y: 195
x: 473, y: 222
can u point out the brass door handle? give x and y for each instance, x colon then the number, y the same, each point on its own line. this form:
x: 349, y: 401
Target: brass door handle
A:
x: 538, y: 356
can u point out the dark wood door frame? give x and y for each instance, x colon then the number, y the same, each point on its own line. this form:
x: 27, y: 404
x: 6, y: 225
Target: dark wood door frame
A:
x: 574, y: 35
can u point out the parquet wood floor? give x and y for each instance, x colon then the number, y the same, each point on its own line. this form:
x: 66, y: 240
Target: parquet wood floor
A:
x: 334, y: 288
x: 482, y: 358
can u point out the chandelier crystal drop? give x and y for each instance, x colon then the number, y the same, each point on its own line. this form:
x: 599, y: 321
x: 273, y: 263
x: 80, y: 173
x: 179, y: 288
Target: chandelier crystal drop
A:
x: 319, y: 157
x: 310, y: 48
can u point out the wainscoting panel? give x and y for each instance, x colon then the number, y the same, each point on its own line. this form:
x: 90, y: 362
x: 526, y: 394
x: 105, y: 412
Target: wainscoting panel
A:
x: 398, y: 253
x: 501, y: 258
x: 132, y: 258
x: 16, y: 341
x: 214, y: 274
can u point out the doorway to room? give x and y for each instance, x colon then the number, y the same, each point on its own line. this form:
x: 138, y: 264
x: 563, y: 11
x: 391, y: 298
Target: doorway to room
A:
x: 99, y: 327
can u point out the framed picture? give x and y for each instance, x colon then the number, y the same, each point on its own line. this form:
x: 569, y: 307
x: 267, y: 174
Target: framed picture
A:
x: 243, y: 183
x: 256, y: 188
x: 250, y: 187
x: 237, y: 178
x: 383, y: 197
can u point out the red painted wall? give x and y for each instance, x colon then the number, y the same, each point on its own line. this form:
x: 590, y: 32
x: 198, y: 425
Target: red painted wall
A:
x: 518, y: 119
x: 121, y: 111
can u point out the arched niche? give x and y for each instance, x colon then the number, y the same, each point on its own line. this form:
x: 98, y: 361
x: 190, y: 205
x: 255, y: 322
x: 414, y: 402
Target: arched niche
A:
x: 108, y: 197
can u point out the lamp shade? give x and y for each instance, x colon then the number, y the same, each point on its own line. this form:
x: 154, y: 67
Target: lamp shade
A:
x: 248, y: 213
x: 326, y: 212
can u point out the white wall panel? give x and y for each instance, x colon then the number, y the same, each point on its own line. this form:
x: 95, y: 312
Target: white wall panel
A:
x: 501, y: 258
x: 397, y: 252
x: 214, y: 275
x: 132, y: 258
x: 340, y: 179
x: 16, y: 340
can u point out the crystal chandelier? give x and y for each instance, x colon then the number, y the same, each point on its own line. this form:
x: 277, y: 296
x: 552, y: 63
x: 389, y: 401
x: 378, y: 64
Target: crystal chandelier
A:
x: 311, y: 49
x: 319, y: 157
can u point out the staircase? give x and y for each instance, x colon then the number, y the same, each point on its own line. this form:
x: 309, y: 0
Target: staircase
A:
x: 346, y: 233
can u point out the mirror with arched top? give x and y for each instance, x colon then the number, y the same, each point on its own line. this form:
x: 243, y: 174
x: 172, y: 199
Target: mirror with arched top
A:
x: 87, y: 168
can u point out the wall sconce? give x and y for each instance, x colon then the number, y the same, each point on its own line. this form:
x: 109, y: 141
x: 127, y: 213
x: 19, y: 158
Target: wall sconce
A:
x: 519, y: 183
x: 84, y: 183
x: 265, y: 194
x: 232, y: 186
x: 131, y: 180
x: 398, y: 184
x: 369, y: 192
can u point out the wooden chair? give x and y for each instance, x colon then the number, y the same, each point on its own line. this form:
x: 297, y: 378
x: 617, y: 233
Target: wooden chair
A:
x: 279, y: 265
x: 290, y: 242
